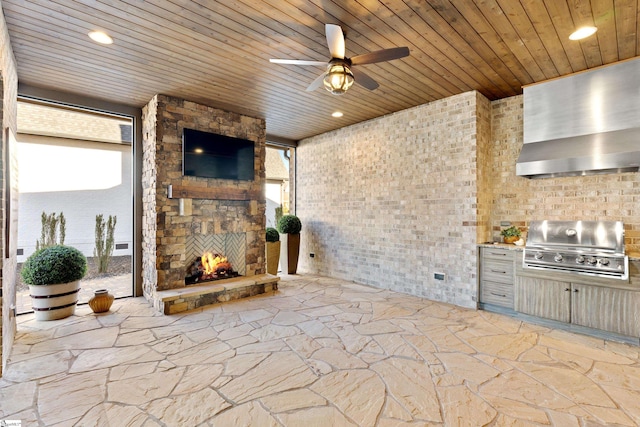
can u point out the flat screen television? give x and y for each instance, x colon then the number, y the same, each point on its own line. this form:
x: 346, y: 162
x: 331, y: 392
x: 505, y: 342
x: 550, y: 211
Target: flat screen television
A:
x: 211, y: 155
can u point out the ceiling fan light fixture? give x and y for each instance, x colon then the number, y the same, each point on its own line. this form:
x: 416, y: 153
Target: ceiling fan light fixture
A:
x: 338, y: 78
x: 582, y: 33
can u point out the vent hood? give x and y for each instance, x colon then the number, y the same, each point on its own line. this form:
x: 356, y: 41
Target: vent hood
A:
x: 583, y: 124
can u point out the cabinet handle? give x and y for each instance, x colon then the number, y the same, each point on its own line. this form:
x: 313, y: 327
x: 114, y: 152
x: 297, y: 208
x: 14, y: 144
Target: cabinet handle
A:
x: 575, y: 290
x: 498, y: 295
x: 567, y: 290
x: 498, y: 253
x: 498, y: 271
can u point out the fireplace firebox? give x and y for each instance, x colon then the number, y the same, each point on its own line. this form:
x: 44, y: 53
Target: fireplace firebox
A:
x: 209, y: 267
x: 214, y: 257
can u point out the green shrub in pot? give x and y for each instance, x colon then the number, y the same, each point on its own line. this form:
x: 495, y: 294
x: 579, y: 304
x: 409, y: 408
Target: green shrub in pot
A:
x: 511, y: 234
x: 272, y: 235
x: 273, y: 250
x: 53, y: 275
x: 289, y: 226
x: 54, y: 264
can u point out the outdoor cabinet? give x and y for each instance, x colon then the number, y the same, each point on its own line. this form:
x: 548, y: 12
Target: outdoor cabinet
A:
x: 594, y: 306
x: 497, y: 273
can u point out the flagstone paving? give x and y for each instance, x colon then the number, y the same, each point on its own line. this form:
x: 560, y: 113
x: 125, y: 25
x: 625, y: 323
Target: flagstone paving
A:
x: 317, y: 352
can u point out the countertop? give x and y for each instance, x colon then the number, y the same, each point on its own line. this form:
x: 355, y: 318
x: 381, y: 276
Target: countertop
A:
x: 509, y: 246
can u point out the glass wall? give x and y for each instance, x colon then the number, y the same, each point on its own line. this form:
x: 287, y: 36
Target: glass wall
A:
x: 76, y: 164
x: 277, y: 188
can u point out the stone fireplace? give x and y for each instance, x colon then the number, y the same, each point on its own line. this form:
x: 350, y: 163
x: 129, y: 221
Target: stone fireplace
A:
x: 182, y: 215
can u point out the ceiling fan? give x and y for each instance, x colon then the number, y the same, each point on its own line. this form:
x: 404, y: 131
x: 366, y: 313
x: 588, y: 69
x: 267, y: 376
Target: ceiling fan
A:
x: 339, y: 75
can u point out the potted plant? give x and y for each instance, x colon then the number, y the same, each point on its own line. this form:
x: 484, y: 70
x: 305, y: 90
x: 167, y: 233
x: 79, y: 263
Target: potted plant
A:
x: 53, y: 275
x: 289, y: 227
x: 273, y: 250
x: 511, y: 234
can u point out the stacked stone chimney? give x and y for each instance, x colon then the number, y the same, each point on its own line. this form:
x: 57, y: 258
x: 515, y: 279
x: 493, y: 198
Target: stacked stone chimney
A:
x: 202, y: 206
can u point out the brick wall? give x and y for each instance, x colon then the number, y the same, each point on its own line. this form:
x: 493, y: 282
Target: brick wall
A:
x: 8, y: 114
x: 614, y: 197
x: 165, y: 231
x: 391, y: 201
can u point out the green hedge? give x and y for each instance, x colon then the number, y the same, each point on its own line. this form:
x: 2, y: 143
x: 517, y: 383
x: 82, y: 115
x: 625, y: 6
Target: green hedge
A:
x: 289, y: 224
x: 54, y: 264
x: 272, y: 235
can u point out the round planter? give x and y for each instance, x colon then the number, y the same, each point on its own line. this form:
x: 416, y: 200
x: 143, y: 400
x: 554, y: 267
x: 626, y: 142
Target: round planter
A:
x: 273, y: 257
x: 511, y: 239
x: 52, y: 302
x: 101, y: 301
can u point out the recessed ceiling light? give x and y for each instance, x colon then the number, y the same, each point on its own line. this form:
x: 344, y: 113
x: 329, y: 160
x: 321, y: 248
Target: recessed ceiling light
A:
x: 100, y: 37
x: 582, y: 33
x: 337, y: 114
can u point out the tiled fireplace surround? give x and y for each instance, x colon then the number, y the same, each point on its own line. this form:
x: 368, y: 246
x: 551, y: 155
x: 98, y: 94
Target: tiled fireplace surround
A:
x: 180, y: 212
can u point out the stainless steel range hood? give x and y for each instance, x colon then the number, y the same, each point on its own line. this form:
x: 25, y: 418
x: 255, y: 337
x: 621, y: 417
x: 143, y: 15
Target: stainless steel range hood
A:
x: 584, y: 124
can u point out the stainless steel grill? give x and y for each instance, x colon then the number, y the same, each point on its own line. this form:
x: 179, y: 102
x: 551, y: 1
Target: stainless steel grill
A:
x: 585, y: 247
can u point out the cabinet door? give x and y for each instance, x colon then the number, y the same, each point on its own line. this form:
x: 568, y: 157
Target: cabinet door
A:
x: 543, y: 298
x: 609, y: 309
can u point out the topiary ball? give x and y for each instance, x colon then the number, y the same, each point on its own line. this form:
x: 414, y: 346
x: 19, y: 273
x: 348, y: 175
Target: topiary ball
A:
x: 272, y: 235
x: 54, y: 264
x: 289, y: 224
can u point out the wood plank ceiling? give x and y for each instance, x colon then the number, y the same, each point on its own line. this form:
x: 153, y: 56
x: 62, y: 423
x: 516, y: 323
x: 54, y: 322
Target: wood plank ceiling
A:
x: 217, y: 52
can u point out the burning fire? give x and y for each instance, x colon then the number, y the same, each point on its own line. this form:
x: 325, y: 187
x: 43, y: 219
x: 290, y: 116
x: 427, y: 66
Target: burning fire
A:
x: 209, y: 266
x: 215, y: 263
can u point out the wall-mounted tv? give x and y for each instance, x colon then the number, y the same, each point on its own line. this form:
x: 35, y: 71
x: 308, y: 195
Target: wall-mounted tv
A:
x: 211, y: 155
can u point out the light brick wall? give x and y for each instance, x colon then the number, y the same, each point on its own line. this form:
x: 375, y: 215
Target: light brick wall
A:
x: 164, y: 230
x: 614, y: 197
x: 8, y: 115
x: 391, y: 201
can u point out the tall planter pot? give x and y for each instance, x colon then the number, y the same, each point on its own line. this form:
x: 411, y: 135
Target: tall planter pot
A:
x: 289, y: 252
x: 273, y: 257
x: 57, y: 301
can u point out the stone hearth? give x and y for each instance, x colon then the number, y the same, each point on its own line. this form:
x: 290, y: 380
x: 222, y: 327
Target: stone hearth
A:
x: 180, y: 210
x: 196, y: 296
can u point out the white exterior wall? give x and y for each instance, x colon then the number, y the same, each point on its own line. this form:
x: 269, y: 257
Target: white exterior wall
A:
x: 274, y: 200
x: 99, y: 183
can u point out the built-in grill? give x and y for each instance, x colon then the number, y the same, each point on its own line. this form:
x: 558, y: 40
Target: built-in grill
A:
x: 593, y: 248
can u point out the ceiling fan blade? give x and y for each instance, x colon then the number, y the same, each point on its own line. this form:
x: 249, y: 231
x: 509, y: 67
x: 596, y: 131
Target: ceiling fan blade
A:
x: 335, y: 40
x: 380, y: 56
x: 316, y: 83
x: 296, y: 62
x: 364, y: 80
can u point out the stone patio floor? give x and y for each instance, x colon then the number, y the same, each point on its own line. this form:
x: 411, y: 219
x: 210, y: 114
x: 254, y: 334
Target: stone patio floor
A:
x: 318, y: 352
